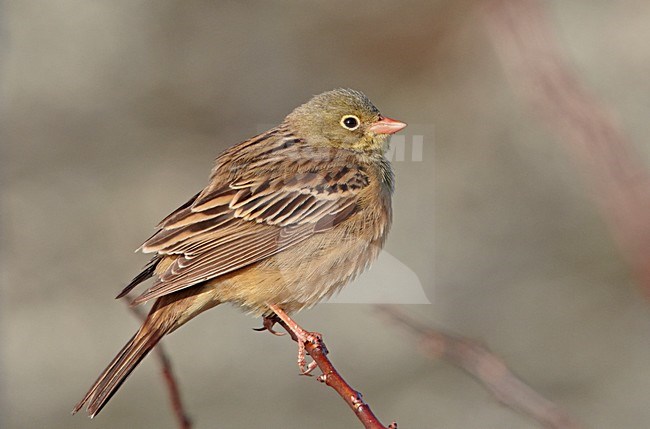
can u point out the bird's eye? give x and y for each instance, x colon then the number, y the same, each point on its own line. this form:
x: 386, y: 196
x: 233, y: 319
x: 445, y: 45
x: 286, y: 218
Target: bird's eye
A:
x: 350, y: 122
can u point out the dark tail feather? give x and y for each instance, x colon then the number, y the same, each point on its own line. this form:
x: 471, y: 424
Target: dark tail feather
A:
x: 146, y: 273
x: 119, y: 369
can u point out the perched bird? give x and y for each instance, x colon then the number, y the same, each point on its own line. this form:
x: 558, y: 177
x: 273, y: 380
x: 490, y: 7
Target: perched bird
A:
x: 287, y: 218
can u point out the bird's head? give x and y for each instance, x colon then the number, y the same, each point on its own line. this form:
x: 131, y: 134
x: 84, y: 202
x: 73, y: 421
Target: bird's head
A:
x: 343, y: 118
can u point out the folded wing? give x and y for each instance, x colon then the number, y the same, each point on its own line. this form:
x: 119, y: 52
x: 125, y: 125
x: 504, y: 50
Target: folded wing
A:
x: 227, y: 227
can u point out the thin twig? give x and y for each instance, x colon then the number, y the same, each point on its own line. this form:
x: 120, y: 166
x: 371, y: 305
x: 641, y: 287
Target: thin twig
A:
x: 184, y: 421
x: 487, y: 368
x: 331, y: 377
x: 535, y: 64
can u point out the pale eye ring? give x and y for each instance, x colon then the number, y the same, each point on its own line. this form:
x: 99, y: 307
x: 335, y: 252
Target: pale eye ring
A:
x: 350, y: 122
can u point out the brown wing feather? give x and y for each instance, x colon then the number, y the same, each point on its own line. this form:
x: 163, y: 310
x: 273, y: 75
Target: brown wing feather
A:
x: 246, y: 219
x: 187, y: 271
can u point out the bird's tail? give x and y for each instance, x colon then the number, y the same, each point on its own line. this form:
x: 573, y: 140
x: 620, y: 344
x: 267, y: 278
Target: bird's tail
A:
x: 167, y: 314
x: 122, y: 365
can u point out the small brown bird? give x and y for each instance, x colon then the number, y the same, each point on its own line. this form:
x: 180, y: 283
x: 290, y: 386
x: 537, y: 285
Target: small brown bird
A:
x: 287, y: 218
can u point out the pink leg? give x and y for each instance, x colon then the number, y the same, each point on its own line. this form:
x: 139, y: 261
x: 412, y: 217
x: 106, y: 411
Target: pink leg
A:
x: 301, y: 336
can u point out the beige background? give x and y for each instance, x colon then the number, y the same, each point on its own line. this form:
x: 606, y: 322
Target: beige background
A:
x: 114, y: 110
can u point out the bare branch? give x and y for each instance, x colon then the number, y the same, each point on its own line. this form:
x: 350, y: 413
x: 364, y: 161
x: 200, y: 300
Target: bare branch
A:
x: 535, y: 64
x: 486, y: 367
x: 183, y: 419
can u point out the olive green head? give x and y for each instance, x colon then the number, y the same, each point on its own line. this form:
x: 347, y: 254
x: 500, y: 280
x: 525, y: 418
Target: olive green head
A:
x: 342, y: 118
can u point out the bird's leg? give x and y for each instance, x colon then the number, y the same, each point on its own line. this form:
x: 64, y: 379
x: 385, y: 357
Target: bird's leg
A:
x: 301, y: 336
x: 267, y: 325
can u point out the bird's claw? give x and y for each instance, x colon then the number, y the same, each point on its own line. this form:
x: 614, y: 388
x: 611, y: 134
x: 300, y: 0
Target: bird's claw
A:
x: 301, y: 336
x: 267, y: 325
x: 305, y: 337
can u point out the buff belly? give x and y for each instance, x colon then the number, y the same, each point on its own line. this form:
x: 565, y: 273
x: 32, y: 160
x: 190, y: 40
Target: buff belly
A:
x: 300, y: 276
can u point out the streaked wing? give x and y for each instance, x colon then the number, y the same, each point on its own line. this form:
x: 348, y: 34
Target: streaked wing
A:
x: 246, y: 219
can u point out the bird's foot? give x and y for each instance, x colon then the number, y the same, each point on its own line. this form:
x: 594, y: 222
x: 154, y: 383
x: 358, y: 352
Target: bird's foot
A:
x: 267, y: 325
x: 301, y: 336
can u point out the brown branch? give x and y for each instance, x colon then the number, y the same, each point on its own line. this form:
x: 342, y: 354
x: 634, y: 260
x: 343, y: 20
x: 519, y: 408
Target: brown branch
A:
x: 487, y: 368
x: 330, y: 376
x: 534, y: 62
x: 183, y: 419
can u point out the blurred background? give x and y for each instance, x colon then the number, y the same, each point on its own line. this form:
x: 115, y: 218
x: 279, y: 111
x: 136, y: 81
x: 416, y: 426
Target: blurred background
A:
x: 113, y: 111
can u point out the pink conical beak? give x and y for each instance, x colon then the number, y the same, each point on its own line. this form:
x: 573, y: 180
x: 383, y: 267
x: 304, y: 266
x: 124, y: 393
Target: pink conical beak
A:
x: 386, y: 126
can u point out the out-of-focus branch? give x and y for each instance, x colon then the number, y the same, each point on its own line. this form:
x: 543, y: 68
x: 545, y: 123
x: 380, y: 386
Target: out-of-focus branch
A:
x: 535, y: 64
x: 183, y: 419
x: 486, y: 367
x: 331, y: 377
